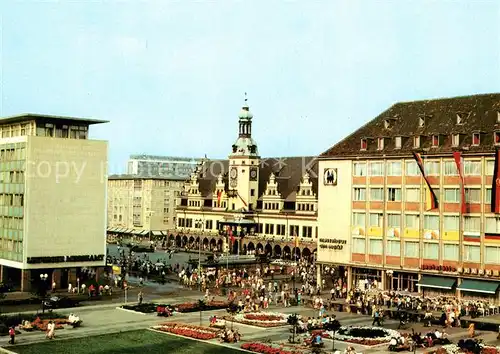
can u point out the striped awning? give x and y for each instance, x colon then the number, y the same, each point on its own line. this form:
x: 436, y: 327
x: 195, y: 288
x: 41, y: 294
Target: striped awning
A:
x: 157, y: 233
x: 128, y: 231
x: 118, y: 230
x: 144, y: 232
x: 137, y: 232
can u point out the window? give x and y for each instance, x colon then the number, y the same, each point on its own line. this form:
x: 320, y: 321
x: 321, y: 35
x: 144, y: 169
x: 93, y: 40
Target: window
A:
x: 472, y: 253
x: 387, y: 124
x: 397, y: 142
x: 435, y: 141
x: 496, y: 138
x: 490, y: 167
x: 394, y: 168
x: 451, y: 222
x: 411, y: 249
x: 475, y: 139
x: 431, y: 250
x: 452, y: 195
x: 421, y: 122
x: 492, y: 225
x: 360, y: 169
x: 412, y: 194
x: 394, y: 194
x: 294, y: 230
x: 280, y: 230
x: 492, y: 254
x: 380, y: 144
x: 376, y: 194
x: 393, y: 220
x: 472, y: 168
x: 376, y: 219
x: 472, y: 195
x: 376, y: 169
x: 393, y: 248
x: 252, y: 192
x: 359, y: 194
x: 416, y: 141
x: 412, y: 168
x: 472, y: 224
x: 487, y: 195
x: 455, y: 139
x: 375, y: 246
x: 459, y: 119
x: 450, y: 168
x: 431, y: 168
x: 412, y: 221
x: 358, y: 245
x: 307, y: 231
x: 431, y: 222
x: 450, y: 252
x: 364, y: 144
x: 358, y: 219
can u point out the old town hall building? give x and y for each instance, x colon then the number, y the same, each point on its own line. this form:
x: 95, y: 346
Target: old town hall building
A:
x: 267, y: 205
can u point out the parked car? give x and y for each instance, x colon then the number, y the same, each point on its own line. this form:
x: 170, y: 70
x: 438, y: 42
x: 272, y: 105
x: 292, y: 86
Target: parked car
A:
x: 56, y: 302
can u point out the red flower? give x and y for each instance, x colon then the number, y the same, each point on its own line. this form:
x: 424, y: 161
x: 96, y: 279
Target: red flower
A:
x: 265, y: 349
x: 260, y: 317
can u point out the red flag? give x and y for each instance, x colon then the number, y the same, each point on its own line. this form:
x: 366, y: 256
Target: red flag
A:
x: 495, y: 192
x: 231, y: 237
x: 219, y: 195
x: 457, y: 155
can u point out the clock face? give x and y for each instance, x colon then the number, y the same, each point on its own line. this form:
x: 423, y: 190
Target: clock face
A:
x: 253, y: 174
x: 234, y: 172
x: 234, y: 183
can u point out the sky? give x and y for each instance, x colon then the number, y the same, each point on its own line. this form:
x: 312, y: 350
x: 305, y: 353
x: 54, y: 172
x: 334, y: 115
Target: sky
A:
x: 170, y: 76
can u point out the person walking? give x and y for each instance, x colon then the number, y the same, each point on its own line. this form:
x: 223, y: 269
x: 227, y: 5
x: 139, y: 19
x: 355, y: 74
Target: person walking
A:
x: 12, y: 334
x: 376, y: 318
x: 140, y: 297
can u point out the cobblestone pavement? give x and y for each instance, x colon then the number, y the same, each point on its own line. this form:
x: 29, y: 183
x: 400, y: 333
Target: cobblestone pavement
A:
x: 107, y: 318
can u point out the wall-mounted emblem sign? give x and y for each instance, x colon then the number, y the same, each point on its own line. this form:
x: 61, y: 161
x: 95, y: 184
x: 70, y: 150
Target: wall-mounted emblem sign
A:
x: 330, y: 177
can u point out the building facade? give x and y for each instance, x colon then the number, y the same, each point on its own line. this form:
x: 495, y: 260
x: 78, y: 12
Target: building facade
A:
x: 380, y: 218
x: 161, y: 166
x: 142, y: 205
x: 269, y: 205
x: 53, y: 197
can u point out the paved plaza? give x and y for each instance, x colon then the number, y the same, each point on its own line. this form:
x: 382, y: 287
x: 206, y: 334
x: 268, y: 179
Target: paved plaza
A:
x: 107, y: 319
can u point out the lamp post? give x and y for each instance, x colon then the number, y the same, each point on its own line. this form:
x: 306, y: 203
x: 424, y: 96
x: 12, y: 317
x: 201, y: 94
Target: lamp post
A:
x: 43, y: 289
x: 199, y: 224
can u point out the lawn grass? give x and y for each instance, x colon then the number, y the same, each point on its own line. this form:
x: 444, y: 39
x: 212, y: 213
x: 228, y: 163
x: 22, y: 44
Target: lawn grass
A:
x: 133, y: 342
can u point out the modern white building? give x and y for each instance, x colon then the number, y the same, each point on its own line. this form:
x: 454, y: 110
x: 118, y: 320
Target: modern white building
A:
x: 52, y: 198
x: 161, y: 166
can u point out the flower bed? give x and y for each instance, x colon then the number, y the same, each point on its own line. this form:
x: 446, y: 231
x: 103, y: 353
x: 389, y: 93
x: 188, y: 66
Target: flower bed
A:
x: 364, y: 335
x: 197, y: 332
x: 42, y: 324
x: 267, y: 349
x: 454, y: 349
x: 260, y: 319
x: 195, y: 306
x: 145, y: 307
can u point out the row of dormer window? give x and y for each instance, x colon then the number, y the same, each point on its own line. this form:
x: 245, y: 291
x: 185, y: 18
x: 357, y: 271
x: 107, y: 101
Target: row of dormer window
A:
x: 436, y: 141
x: 459, y: 120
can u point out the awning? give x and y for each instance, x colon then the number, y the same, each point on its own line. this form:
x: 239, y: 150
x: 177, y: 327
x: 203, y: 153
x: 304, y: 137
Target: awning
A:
x: 164, y: 233
x: 144, y: 232
x: 128, y: 231
x: 119, y: 230
x: 157, y: 233
x: 429, y: 281
x: 137, y: 232
x: 479, y: 286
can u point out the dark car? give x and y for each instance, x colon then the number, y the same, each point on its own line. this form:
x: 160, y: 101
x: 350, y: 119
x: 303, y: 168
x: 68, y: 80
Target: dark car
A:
x: 56, y: 302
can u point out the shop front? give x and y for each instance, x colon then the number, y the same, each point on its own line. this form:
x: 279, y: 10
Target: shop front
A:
x: 366, y: 278
x: 430, y: 285
x: 402, y: 281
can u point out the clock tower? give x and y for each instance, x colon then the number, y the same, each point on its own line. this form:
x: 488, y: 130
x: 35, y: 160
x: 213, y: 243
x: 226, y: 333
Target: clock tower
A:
x: 244, y: 164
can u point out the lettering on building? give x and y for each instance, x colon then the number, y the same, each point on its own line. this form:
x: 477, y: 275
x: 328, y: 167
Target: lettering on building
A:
x: 332, y: 243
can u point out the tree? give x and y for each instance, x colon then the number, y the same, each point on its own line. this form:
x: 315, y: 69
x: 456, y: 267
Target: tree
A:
x: 333, y: 326
x: 232, y: 310
x: 293, y: 320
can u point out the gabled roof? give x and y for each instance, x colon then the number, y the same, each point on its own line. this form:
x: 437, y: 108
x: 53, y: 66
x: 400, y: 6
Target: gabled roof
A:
x: 288, y: 171
x: 478, y: 112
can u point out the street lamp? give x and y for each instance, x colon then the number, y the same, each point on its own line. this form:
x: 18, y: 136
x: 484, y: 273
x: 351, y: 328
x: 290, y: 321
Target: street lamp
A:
x: 43, y: 289
x: 200, y: 225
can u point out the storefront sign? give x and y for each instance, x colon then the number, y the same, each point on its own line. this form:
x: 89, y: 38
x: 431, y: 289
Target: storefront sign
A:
x: 333, y: 244
x: 63, y: 259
